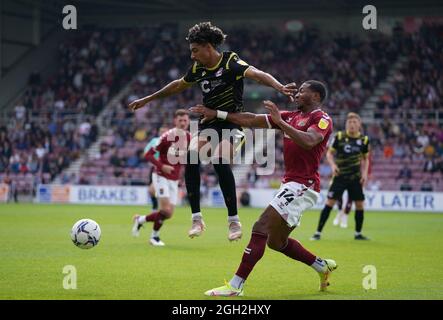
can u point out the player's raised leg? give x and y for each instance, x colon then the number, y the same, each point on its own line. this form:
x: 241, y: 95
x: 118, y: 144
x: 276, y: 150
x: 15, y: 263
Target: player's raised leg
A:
x: 192, y: 181
x: 224, y: 153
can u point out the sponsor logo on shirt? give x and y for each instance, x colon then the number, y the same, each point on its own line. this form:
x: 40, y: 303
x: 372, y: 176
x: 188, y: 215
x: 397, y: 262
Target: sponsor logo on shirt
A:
x: 323, y: 124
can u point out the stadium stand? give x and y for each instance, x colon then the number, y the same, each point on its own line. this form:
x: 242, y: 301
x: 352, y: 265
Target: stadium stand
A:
x: 54, y: 122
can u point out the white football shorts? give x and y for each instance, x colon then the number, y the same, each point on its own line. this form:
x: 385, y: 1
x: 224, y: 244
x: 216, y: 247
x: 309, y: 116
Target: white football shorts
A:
x: 165, y: 188
x: 291, y: 200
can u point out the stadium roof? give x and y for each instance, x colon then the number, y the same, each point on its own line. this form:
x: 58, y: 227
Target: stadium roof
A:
x: 193, y: 8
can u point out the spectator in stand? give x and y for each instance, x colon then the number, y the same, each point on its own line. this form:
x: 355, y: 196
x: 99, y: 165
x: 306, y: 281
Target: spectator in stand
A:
x: 439, y: 166
x: 426, y: 186
x: 430, y: 165
x: 115, y: 160
x: 388, y: 151
x: 405, y: 186
x: 405, y: 173
x: 20, y: 112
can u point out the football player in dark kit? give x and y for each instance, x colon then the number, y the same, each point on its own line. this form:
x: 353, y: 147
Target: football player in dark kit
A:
x: 220, y: 77
x: 348, y: 157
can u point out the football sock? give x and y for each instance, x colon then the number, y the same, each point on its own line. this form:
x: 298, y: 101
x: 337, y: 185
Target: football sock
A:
x: 358, y: 220
x: 151, y: 217
x: 159, y: 221
x: 197, y: 216
x: 192, y: 181
x: 237, y: 282
x: 233, y: 218
x: 227, y: 185
x: 296, y: 251
x: 155, y: 234
x: 253, y: 252
x: 323, y: 217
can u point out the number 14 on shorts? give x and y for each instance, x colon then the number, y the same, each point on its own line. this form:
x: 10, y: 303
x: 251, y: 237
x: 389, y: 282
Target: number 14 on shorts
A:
x: 288, y: 195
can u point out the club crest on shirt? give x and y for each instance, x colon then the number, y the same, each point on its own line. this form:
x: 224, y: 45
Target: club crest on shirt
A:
x: 358, y: 142
x: 301, y: 123
x: 219, y: 72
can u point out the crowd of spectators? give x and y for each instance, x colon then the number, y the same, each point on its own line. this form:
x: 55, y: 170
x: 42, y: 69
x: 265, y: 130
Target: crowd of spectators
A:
x: 407, y: 131
x: 361, y: 65
x: 417, y: 90
x: 55, y: 119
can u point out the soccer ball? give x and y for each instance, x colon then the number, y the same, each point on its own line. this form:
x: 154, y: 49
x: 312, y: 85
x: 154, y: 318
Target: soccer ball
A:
x: 85, y: 233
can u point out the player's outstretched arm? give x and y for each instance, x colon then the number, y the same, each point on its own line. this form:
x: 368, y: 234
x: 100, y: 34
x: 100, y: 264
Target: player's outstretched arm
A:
x: 170, y: 89
x: 267, y: 79
x: 244, y: 119
x: 307, y: 140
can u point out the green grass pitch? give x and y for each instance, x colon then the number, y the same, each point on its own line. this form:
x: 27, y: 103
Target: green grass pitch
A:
x: 35, y: 246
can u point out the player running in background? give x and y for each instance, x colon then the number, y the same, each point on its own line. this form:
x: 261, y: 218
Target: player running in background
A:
x: 220, y: 78
x: 306, y: 132
x: 151, y: 190
x: 348, y: 158
x: 172, y: 147
x: 342, y: 215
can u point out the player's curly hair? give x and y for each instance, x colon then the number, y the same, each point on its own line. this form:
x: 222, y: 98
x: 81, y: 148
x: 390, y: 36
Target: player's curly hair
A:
x: 318, y: 87
x: 205, y: 32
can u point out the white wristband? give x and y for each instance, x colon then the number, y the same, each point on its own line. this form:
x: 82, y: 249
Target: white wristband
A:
x: 222, y: 114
